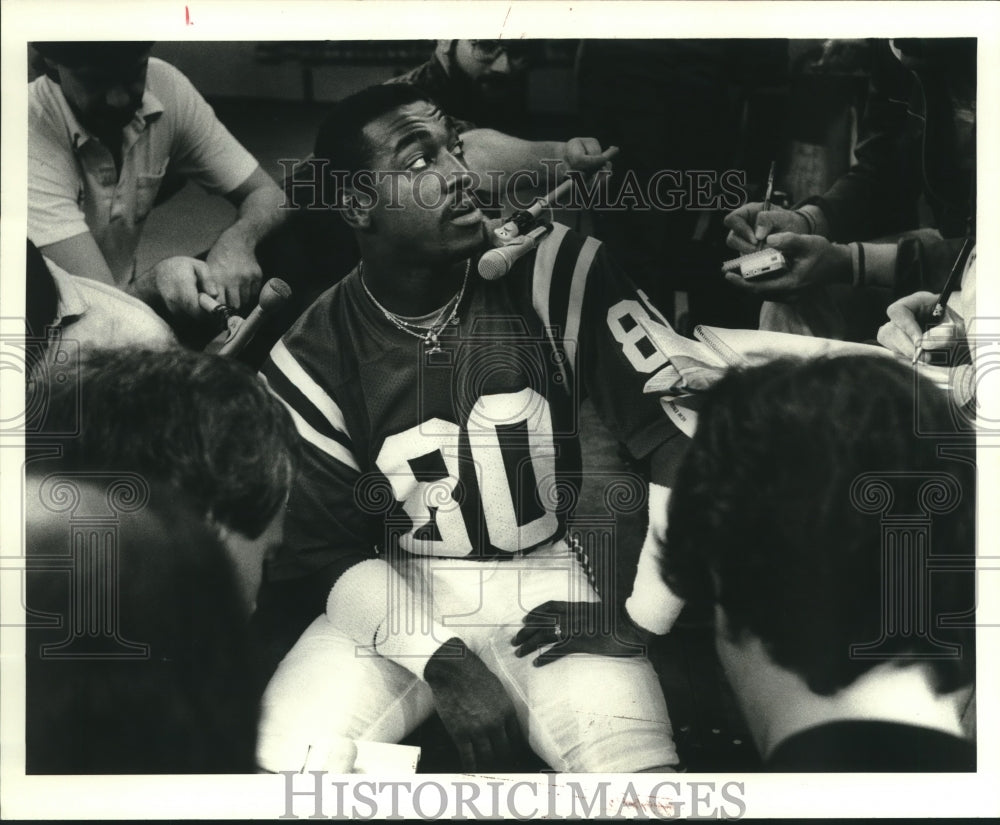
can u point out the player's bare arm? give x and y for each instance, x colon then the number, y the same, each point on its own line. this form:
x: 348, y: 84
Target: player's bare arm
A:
x: 474, y: 707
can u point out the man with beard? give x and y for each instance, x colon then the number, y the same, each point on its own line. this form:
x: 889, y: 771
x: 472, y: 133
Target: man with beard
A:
x: 479, y: 82
x: 109, y: 129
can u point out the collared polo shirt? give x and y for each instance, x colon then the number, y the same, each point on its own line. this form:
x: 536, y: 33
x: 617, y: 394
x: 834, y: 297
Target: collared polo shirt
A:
x: 95, y: 315
x: 73, y: 187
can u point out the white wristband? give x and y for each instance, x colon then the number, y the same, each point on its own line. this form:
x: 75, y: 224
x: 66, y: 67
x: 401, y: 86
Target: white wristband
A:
x: 652, y: 604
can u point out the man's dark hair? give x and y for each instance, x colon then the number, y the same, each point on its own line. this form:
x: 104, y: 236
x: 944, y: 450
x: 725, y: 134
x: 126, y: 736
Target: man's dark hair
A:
x: 185, y: 704
x: 109, y: 55
x: 764, y: 518
x: 341, y: 140
x: 204, y: 424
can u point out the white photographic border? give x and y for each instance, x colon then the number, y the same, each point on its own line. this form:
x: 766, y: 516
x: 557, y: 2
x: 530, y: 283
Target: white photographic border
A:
x: 265, y: 796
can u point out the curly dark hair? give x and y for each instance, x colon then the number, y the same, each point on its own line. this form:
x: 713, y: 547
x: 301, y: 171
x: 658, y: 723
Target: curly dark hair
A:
x: 767, y: 518
x: 341, y: 140
x: 204, y: 424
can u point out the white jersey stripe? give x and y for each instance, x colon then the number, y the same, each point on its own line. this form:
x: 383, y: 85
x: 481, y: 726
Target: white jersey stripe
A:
x: 332, y: 448
x: 294, y: 372
x: 541, y: 281
x: 576, y: 292
x: 545, y: 262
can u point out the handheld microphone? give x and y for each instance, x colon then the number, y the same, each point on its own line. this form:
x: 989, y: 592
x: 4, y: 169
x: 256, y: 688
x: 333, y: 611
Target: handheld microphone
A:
x: 495, y: 263
x: 522, y: 219
x: 223, y: 314
x: 273, y: 295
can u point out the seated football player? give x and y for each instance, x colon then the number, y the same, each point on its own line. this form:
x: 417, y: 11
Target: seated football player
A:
x: 312, y: 253
x: 426, y: 554
x: 837, y: 544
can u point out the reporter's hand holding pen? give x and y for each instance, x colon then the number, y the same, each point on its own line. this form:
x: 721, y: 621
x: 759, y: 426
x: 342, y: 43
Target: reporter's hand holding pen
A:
x: 922, y: 322
x: 904, y: 332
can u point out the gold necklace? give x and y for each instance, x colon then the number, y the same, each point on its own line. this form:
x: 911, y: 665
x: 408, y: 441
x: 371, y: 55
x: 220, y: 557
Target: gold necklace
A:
x: 429, y: 335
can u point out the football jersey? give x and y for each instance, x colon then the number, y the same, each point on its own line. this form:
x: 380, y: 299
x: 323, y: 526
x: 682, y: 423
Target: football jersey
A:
x: 473, y: 451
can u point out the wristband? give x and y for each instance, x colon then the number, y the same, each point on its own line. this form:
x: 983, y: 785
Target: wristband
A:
x: 858, y: 265
x: 652, y: 605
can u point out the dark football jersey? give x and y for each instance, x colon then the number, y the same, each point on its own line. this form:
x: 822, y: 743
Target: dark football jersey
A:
x: 473, y: 451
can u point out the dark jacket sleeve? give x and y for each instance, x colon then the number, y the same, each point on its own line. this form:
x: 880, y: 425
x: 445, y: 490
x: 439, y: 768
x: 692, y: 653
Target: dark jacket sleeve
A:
x: 878, y: 196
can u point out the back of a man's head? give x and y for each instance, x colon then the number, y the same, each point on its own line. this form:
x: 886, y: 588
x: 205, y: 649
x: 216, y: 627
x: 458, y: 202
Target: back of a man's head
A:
x: 204, y: 424
x: 137, y: 656
x: 771, y: 518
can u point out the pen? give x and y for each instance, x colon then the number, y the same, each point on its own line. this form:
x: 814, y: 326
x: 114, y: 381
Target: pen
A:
x: 767, y: 199
x: 954, y: 279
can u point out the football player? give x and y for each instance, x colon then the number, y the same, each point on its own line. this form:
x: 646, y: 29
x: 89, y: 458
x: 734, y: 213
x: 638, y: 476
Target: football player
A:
x: 427, y: 527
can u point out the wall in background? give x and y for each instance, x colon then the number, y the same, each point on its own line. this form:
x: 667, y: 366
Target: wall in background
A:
x: 267, y: 71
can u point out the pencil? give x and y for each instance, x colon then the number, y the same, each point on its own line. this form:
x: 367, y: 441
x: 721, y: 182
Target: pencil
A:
x: 954, y: 279
x: 767, y: 199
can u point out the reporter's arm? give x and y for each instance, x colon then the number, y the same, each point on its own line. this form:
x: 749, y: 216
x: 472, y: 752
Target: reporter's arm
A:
x: 80, y: 256
x: 501, y: 155
x: 172, y: 284
x: 235, y: 275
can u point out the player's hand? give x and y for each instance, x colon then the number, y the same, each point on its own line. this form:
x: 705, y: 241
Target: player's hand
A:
x: 578, y: 627
x: 749, y: 225
x: 234, y: 276
x: 474, y: 707
x: 811, y: 260
x: 174, y: 283
x: 904, y: 331
x: 585, y: 155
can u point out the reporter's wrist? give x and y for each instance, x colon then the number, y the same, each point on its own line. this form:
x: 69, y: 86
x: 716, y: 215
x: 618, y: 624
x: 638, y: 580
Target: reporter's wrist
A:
x: 814, y: 220
x: 841, y: 267
x: 144, y: 288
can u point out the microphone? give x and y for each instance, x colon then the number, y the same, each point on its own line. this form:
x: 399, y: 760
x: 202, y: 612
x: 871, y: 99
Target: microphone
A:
x: 524, y: 218
x: 273, y: 295
x: 495, y: 263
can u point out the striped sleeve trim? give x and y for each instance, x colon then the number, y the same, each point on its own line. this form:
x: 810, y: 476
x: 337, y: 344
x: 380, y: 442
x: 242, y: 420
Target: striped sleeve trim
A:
x: 310, y: 434
x: 317, y: 417
x: 545, y: 263
x: 294, y: 398
x: 541, y: 283
x: 562, y: 267
x: 577, y: 289
x: 310, y: 389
